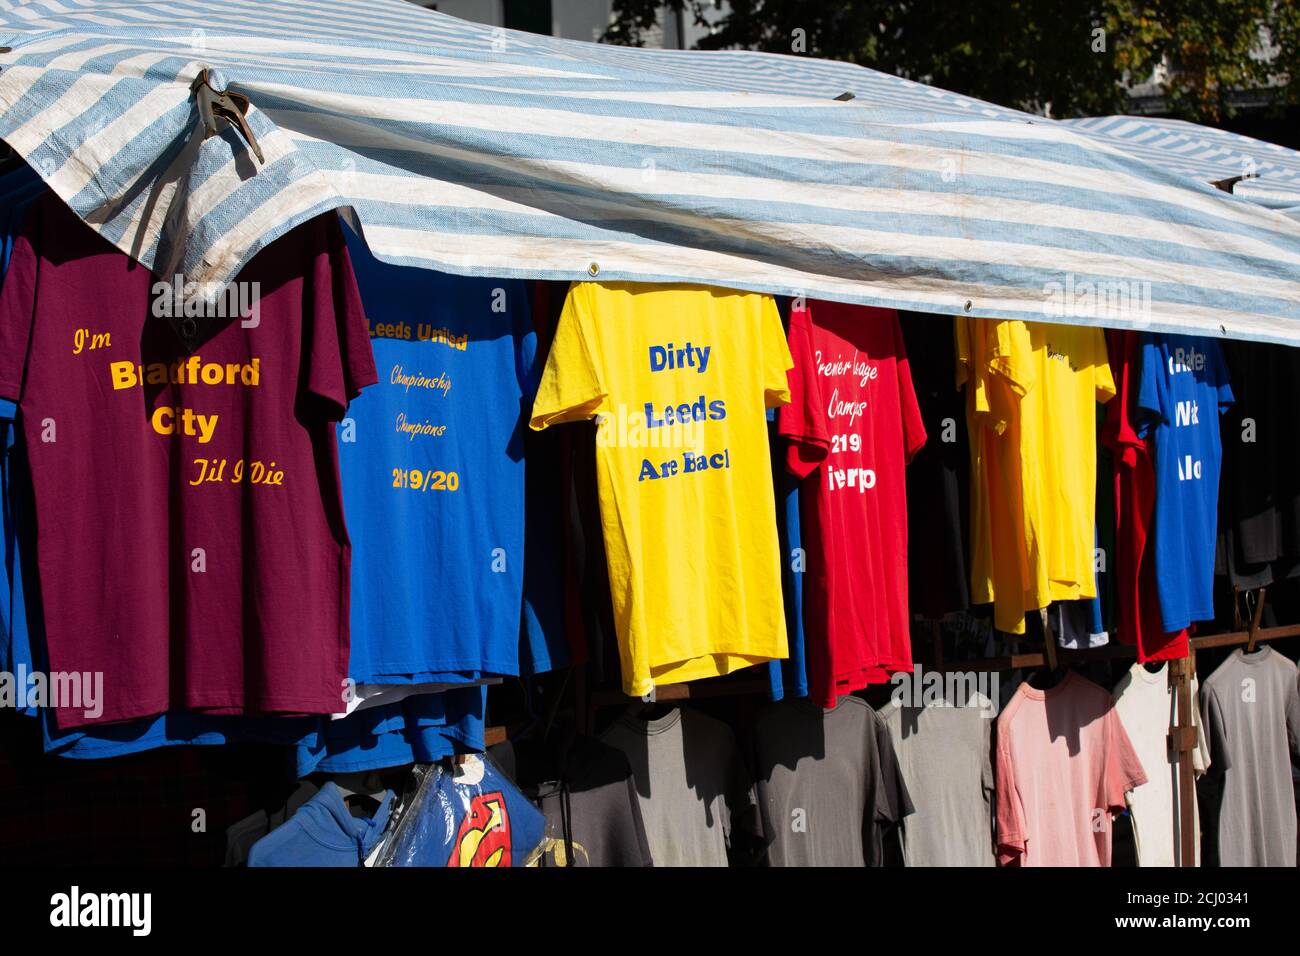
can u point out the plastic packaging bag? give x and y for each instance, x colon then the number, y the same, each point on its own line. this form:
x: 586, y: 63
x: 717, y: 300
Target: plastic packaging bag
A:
x: 472, y: 816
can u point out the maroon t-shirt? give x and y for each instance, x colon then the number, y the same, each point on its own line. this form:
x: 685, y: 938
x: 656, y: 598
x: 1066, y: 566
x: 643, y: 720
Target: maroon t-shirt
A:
x: 190, y: 534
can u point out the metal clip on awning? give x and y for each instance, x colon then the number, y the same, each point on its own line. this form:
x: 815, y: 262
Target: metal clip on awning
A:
x: 231, y: 107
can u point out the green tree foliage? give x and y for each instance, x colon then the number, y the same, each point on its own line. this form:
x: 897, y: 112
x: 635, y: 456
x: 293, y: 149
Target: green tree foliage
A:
x: 1069, y: 57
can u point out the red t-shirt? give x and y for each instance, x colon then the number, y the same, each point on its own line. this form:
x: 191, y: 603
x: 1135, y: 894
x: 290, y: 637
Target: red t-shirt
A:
x: 190, y: 535
x: 1135, y: 496
x: 852, y: 424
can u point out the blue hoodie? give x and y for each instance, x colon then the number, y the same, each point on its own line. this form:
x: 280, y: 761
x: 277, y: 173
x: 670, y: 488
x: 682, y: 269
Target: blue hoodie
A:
x: 323, y: 833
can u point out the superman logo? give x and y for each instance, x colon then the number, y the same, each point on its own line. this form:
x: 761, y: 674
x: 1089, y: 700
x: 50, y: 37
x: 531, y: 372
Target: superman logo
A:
x: 484, y: 835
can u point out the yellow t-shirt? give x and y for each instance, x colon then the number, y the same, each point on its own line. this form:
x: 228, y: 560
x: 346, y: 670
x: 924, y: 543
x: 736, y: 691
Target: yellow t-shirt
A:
x: 1059, y: 442
x: 993, y: 365
x: 679, y: 378
x: 1031, y: 394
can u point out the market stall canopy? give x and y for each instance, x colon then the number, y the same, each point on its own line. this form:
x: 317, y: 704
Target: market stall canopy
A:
x: 1262, y: 172
x: 484, y: 151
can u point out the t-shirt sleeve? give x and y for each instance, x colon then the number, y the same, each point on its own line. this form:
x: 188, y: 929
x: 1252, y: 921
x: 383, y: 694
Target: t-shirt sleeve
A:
x: 1119, y: 432
x: 892, y: 801
x: 640, y: 842
x: 1201, y: 752
x: 1222, y: 380
x: 1123, y: 769
x: 340, y: 361
x: 1009, y: 812
x: 1010, y: 351
x: 1217, y: 732
x: 1103, y: 381
x: 913, y: 426
x: 572, y: 386
x: 986, y: 758
x: 18, y: 312
x: 527, y: 365
x: 1008, y: 372
x: 1293, y: 723
x: 776, y: 355
x: 1149, y: 410
x: 802, y: 422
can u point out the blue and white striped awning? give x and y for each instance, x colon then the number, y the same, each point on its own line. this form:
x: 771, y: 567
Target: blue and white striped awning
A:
x: 483, y: 151
x: 1264, y: 172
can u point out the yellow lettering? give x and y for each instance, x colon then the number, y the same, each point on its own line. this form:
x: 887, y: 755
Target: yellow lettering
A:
x: 123, y: 374
x: 161, y: 414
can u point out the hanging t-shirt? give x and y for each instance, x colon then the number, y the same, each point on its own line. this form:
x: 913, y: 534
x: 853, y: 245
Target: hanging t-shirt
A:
x: 993, y: 367
x: 18, y: 191
x: 1064, y: 765
x: 205, y: 479
x: 1146, y: 706
x: 681, y: 377
x: 418, y: 729
x: 945, y: 752
x: 1251, y: 710
x: 1059, y: 441
x: 938, y: 477
x: 1183, y: 391
x: 433, y: 474
x: 789, y: 677
x: 694, y: 790
x: 585, y: 790
x: 1260, y: 497
x: 1032, y: 394
x: 852, y: 425
x: 1138, y: 610
x: 828, y: 783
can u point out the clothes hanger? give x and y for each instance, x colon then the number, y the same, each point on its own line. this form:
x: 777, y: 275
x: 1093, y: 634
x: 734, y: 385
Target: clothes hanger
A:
x: 1255, y: 618
x: 1053, y: 671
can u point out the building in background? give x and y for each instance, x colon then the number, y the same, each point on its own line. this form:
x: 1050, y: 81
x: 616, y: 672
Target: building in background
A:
x: 570, y: 19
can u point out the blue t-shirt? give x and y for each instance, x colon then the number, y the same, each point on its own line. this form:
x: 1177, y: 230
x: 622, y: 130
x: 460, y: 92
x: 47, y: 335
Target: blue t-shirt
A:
x: 432, y: 468
x: 418, y: 729
x: 323, y: 833
x: 18, y: 190
x: 1183, y: 390
x: 789, y: 677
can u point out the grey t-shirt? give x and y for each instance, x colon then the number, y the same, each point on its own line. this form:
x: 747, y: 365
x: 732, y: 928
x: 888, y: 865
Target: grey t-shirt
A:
x: 691, y: 781
x: 1251, y: 711
x: 585, y: 790
x: 828, y: 783
x: 946, y: 757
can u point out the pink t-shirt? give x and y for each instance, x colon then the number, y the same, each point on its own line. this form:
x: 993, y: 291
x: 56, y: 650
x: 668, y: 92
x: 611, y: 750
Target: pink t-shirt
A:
x: 190, y: 536
x: 1064, y: 764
